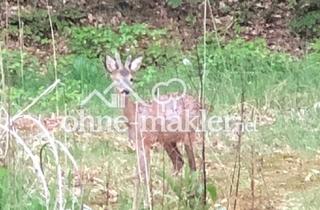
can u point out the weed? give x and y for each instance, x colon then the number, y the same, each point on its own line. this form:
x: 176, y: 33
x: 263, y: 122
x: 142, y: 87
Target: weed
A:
x: 187, y: 188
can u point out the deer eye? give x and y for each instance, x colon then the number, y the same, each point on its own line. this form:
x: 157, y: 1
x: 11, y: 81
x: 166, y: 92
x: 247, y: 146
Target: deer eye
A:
x: 131, y: 80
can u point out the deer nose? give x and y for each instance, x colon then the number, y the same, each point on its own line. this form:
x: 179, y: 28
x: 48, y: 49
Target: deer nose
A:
x: 126, y: 92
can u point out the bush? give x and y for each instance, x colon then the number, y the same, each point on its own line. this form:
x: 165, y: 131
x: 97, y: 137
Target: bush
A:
x: 92, y: 41
x: 36, y: 24
x: 307, y: 18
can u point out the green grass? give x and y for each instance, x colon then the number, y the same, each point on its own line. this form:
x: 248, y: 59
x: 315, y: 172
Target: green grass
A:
x: 296, y: 129
x: 307, y: 200
x: 20, y: 190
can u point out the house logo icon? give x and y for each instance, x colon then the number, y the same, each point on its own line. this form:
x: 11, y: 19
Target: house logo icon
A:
x: 116, y: 101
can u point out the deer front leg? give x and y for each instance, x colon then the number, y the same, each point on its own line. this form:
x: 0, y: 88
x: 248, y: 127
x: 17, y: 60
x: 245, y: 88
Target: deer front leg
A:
x: 143, y: 166
x: 189, y: 150
x: 174, y: 154
x: 144, y: 163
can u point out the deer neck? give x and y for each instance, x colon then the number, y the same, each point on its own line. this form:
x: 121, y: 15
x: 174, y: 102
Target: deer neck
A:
x: 129, y: 109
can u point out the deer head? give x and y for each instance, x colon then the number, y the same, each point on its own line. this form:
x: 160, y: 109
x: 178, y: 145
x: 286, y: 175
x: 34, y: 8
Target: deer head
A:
x: 121, y: 74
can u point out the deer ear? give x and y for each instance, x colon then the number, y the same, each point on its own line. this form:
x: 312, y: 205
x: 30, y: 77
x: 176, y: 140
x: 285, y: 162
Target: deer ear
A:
x: 110, y: 64
x: 128, y: 61
x: 135, y: 64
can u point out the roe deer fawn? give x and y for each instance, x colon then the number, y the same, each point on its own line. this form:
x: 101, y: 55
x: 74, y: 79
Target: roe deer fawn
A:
x: 138, y: 115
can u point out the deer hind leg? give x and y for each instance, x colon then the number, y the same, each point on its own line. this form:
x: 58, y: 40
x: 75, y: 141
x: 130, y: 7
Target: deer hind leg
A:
x: 174, y: 154
x: 190, y: 137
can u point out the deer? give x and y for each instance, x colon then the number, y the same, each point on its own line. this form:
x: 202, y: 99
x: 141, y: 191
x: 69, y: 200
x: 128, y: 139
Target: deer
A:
x: 141, y: 130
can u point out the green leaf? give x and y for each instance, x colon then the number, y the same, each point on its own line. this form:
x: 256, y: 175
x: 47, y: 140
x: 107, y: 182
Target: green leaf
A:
x: 212, y: 192
x: 174, y: 3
